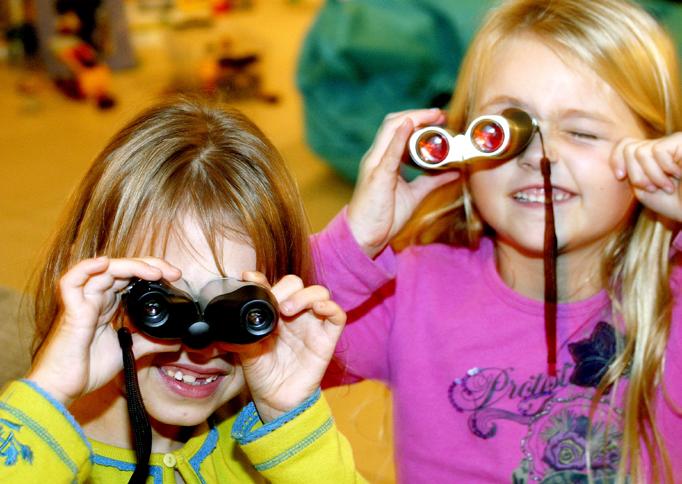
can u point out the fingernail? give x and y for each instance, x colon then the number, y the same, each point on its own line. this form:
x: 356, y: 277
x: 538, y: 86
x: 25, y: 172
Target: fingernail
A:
x: 620, y: 174
x: 651, y: 188
x: 669, y: 189
x: 286, y: 307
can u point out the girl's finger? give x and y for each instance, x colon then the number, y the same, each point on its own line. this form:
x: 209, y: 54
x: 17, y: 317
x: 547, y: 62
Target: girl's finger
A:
x: 127, y: 268
x: 617, y: 160
x: 256, y: 277
x: 303, y: 299
x: 287, y: 286
x: 387, y: 130
x: 394, y: 152
x: 636, y: 175
x: 652, y: 170
x: 330, y: 311
x: 168, y: 270
x: 73, y: 281
x: 666, y: 159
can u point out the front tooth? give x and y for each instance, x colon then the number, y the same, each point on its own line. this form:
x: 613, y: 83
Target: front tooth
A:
x: 189, y: 378
x: 178, y: 375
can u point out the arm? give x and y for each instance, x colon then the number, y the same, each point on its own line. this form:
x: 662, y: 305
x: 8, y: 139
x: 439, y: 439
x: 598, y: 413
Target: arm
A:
x: 303, y: 445
x: 39, y: 440
x: 287, y: 431
x: 383, y: 201
x: 364, y: 287
x: 342, y: 265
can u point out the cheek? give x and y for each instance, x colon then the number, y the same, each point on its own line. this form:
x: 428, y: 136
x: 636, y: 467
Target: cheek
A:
x: 607, y: 192
x: 487, y: 188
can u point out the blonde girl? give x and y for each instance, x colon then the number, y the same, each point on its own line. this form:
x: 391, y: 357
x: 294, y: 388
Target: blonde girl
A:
x: 456, y: 327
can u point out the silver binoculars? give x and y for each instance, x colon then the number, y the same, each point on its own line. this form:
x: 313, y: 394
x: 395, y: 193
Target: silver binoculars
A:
x: 494, y: 137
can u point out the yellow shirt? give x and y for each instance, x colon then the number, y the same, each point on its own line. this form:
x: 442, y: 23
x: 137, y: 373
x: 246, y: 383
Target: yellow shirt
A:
x: 41, y: 442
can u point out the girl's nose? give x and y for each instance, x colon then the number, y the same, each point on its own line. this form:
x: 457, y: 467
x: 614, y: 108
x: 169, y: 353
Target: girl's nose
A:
x: 542, y: 145
x: 203, y: 355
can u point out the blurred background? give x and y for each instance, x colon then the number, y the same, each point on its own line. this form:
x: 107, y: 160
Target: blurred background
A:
x: 317, y: 76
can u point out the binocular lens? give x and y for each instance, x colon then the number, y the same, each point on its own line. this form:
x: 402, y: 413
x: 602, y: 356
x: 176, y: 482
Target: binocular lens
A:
x: 259, y: 319
x: 153, y: 310
x: 488, y: 136
x: 433, y: 147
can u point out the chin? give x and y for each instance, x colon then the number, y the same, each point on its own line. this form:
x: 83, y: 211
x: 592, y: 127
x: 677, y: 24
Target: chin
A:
x: 179, y: 407
x: 180, y: 417
x: 531, y: 245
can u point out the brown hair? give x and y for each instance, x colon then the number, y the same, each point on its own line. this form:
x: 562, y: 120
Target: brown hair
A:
x: 179, y: 157
x: 628, y: 49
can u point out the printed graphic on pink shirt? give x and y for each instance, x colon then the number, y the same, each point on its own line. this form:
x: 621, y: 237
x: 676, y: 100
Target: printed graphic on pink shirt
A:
x: 555, y: 411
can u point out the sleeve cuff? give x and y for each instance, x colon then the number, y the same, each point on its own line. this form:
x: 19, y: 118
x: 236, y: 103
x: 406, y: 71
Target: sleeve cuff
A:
x: 248, y: 426
x: 285, y: 438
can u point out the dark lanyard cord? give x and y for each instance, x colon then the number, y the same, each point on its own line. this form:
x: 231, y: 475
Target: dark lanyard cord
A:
x: 549, y: 258
x: 142, y: 432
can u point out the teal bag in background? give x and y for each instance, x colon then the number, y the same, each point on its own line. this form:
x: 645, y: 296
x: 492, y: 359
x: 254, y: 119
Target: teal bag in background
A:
x: 363, y: 59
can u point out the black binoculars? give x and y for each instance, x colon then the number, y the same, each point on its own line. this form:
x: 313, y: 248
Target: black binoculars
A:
x: 495, y: 137
x: 227, y: 310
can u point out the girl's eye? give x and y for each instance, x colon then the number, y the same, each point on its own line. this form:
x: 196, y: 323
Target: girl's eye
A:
x: 582, y: 135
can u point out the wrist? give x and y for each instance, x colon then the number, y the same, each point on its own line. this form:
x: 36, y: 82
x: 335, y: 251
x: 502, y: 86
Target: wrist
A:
x: 50, y: 385
x: 370, y: 246
x: 271, y: 411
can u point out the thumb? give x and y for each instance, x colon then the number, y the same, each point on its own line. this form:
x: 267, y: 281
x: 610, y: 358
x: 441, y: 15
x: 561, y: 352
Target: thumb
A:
x: 425, y: 184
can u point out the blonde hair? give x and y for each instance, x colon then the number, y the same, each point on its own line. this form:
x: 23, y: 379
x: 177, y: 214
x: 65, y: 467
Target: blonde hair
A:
x: 179, y: 157
x: 628, y: 49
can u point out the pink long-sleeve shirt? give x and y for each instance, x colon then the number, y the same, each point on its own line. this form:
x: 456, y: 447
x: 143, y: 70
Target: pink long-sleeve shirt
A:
x: 466, y: 359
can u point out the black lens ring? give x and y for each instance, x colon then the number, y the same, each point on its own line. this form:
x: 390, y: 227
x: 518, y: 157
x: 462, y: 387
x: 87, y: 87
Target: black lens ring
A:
x: 265, y: 308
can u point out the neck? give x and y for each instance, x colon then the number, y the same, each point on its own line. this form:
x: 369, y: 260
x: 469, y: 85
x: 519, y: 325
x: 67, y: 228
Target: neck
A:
x: 578, y: 272
x: 103, y: 414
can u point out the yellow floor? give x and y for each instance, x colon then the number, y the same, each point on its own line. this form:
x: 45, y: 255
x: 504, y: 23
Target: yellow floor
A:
x: 47, y: 141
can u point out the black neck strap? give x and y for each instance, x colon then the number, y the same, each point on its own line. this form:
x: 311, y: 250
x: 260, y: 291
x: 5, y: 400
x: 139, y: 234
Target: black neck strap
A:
x: 142, y: 432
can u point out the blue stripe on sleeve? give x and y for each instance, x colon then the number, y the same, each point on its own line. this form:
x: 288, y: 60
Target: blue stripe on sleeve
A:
x: 295, y: 449
x: 58, y: 405
x: 43, y: 434
x: 248, y: 417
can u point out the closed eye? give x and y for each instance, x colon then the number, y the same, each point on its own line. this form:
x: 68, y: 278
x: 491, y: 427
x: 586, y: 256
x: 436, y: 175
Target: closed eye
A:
x: 583, y: 136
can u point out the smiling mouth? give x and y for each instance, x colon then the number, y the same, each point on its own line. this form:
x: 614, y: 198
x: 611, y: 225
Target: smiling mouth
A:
x: 537, y: 195
x: 192, y: 380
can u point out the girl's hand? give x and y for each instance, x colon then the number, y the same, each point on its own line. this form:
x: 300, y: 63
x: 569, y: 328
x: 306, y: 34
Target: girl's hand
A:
x: 653, y: 169
x: 81, y: 353
x: 286, y: 368
x: 383, y: 201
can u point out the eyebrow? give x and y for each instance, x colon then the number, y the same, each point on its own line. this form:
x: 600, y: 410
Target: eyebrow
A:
x: 505, y: 100
x: 579, y: 113
x: 568, y: 113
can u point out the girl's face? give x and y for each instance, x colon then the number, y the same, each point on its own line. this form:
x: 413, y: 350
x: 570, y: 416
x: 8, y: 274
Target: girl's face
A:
x: 581, y: 119
x: 185, y: 387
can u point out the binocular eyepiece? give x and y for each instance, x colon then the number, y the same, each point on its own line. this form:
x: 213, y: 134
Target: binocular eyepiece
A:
x: 495, y: 137
x: 227, y: 310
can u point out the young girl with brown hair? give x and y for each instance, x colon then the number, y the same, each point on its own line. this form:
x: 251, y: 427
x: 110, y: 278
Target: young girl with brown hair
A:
x: 185, y: 195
